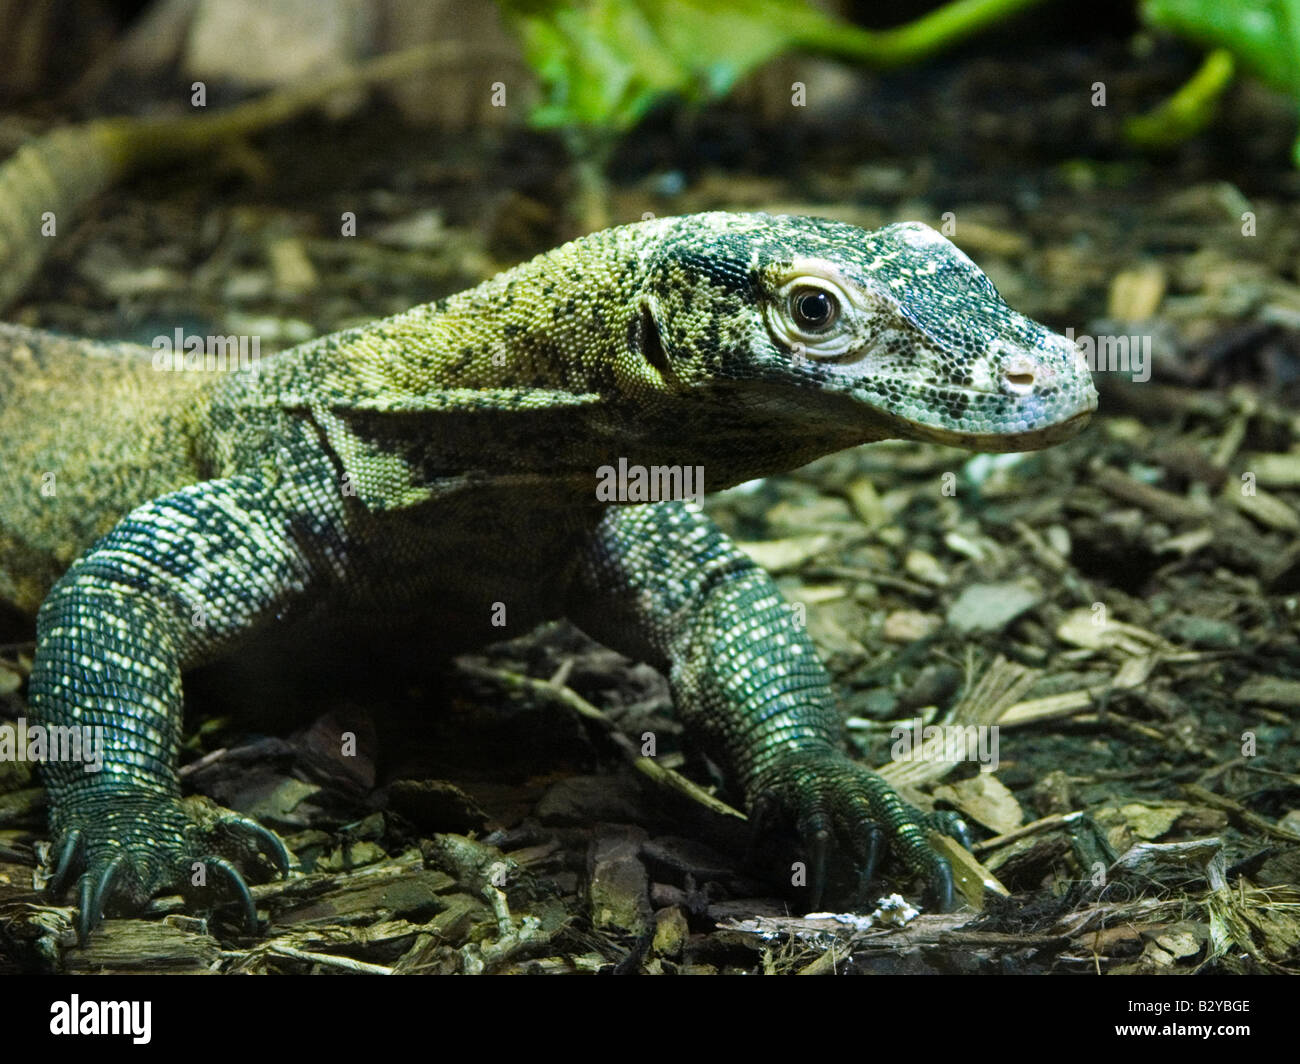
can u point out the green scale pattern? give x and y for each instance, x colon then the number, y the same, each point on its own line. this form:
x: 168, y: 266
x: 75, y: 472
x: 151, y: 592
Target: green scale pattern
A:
x: 415, y: 472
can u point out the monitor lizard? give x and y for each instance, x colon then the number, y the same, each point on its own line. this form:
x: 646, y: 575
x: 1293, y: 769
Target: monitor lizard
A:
x: 430, y: 468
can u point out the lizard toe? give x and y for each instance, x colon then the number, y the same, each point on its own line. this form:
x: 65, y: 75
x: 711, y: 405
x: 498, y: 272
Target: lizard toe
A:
x: 843, y: 814
x: 940, y: 893
x: 232, y: 845
x: 947, y: 822
x: 867, y: 838
x: 818, y: 842
x: 96, y: 888
x: 231, y: 876
x: 136, y: 847
x: 70, y: 861
x: 269, y: 844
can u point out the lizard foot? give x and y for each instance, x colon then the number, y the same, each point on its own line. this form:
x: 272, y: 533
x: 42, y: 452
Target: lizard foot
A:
x: 842, y: 810
x: 127, y: 848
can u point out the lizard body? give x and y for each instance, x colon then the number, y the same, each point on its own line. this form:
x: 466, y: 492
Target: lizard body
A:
x: 426, y: 469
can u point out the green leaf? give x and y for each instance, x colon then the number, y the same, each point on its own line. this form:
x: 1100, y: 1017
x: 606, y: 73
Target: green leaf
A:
x: 604, y: 63
x: 1264, y: 35
x: 1189, y: 110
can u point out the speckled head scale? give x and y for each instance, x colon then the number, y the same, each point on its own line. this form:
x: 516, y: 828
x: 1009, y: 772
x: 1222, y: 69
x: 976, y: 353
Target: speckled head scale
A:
x: 898, y: 319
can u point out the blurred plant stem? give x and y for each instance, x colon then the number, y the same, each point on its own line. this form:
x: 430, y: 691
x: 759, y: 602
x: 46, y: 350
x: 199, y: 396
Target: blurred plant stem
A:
x: 1189, y: 110
x: 604, y: 64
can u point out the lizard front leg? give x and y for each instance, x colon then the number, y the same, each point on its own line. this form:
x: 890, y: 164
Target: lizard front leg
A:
x: 664, y: 584
x: 178, y: 581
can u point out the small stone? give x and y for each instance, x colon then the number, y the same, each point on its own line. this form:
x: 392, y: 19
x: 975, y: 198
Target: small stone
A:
x: 291, y: 267
x: 907, y: 626
x: 1058, y: 538
x: 356, y: 855
x: 10, y: 679
x: 1206, y: 633
x: 580, y: 800
x: 1151, y: 820
x: 422, y: 231
x: 1053, y: 794
x: 1183, y: 939
x: 991, y: 607
x: 1272, y: 691
x: 866, y: 503
x: 663, y: 895
x: 880, y: 702
x: 618, y: 887
x: 671, y: 932
x: 436, y: 805
x: 926, y: 568
x: 1135, y: 295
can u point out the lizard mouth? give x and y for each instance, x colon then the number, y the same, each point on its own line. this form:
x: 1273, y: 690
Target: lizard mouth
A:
x: 1028, y: 440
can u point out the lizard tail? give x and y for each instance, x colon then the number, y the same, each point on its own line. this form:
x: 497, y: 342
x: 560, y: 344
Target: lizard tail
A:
x: 50, y: 181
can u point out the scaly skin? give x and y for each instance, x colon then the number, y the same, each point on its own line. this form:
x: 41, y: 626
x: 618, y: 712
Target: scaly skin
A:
x: 422, y: 469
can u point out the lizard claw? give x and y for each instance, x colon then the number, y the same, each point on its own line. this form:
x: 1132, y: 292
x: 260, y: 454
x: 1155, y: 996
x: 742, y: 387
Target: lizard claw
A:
x: 941, y: 891
x: 949, y: 823
x: 271, y: 844
x: 840, y: 808
x: 819, y: 841
x: 240, y: 887
x: 85, y: 908
x: 93, y: 892
x: 870, y: 846
x: 135, y: 847
x: 71, y: 859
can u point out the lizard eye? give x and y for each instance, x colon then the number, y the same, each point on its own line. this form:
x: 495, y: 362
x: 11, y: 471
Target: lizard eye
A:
x: 814, y: 312
x: 813, y: 309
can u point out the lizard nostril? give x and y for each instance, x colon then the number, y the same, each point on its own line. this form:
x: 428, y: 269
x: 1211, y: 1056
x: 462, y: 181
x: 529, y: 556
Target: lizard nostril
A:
x: 1018, y: 380
x: 1018, y: 370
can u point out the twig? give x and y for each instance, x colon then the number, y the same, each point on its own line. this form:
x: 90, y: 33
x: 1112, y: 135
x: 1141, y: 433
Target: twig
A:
x: 569, y: 698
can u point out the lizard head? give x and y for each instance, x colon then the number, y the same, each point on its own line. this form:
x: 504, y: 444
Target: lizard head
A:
x: 898, y: 324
